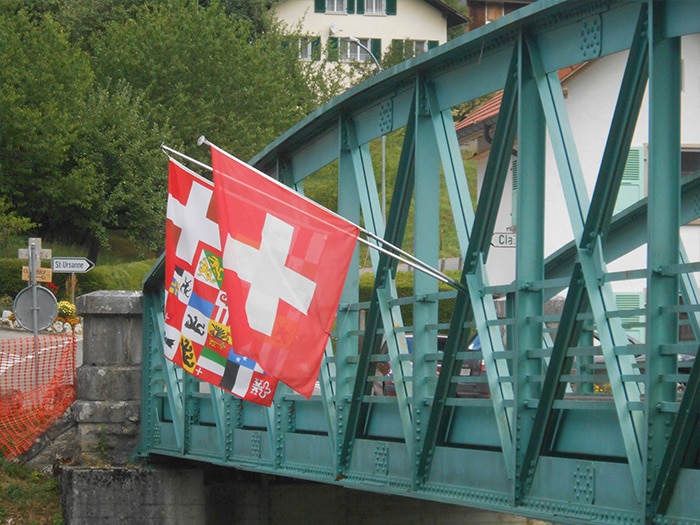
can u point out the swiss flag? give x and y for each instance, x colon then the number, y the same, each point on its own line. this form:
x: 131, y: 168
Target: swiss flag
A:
x: 285, y: 260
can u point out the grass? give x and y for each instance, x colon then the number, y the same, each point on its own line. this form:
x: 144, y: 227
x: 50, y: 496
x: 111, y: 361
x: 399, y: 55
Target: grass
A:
x: 322, y: 187
x: 28, y: 497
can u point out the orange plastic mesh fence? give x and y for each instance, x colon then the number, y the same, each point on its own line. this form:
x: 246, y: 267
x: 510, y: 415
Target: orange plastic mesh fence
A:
x: 37, y: 385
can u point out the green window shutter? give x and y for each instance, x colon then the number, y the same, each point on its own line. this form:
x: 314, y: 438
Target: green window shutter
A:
x: 319, y: 6
x: 432, y: 44
x: 332, y: 48
x: 375, y: 45
x: 316, y: 49
x: 351, y: 7
x: 632, y: 184
x: 390, y: 7
x: 397, y: 48
x: 632, y: 323
x: 360, y: 4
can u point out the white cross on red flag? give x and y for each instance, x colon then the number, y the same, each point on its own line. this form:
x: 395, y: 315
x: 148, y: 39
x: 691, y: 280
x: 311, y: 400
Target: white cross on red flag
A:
x: 197, y: 335
x: 285, y: 261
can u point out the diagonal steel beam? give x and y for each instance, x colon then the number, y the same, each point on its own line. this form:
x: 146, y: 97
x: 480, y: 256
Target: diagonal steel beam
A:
x: 355, y: 411
x: 597, y: 224
x: 472, y: 275
x: 617, y: 146
x: 600, y: 294
x: 568, y: 334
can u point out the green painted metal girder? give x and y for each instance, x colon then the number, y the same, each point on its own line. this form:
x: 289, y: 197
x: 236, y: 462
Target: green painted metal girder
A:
x: 664, y: 180
x: 601, y: 297
x: 617, y: 147
x: 541, y: 443
x: 529, y: 301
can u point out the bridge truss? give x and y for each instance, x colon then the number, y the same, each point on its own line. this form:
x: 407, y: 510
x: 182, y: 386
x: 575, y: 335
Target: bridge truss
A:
x: 566, y: 429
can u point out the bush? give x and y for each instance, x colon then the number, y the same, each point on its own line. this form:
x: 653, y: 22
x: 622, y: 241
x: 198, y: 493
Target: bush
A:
x: 127, y: 276
x: 404, y: 288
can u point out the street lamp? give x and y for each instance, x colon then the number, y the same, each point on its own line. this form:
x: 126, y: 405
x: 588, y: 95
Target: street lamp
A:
x: 359, y: 44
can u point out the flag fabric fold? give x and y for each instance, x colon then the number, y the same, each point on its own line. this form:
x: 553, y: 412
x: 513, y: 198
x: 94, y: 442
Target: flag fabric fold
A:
x: 197, y: 312
x: 285, y: 259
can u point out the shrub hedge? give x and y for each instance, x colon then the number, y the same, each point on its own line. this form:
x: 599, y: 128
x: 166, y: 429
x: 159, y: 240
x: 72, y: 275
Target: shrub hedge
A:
x: 128, y: 276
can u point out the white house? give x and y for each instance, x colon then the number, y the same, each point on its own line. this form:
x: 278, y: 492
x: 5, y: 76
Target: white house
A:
x: 339, y: 25
x: 590, y: 92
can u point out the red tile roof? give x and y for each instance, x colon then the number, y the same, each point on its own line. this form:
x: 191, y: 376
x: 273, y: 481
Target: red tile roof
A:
x: 490, y: 108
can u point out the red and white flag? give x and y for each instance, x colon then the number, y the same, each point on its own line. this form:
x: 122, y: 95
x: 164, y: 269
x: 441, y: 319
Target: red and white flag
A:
x: 197, y: 334
x: 285, y: 260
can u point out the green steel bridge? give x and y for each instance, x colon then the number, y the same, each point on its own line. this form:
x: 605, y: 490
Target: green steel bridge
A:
x: 571, y: 420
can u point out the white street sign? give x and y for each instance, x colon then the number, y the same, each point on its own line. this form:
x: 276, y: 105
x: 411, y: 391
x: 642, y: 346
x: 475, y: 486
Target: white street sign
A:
x: 71, y: 264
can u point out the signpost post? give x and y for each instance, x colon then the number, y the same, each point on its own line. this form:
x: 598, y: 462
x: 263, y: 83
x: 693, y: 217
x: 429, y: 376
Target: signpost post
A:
x: 48, y: 307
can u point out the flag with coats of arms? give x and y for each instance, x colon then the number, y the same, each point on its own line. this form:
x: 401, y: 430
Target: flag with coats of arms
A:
x: 197, y: 324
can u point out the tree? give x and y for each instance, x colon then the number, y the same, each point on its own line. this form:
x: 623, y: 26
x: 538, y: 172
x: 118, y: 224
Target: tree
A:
x: 11, y: 226
x: 77, y: 158
x: 117, y: 179
x: 208, y: 74
x: 45, y: 82
x: 91, y: 90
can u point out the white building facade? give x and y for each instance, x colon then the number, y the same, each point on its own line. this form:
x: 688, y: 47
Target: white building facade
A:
x: 590, y: 98
x: 337, y: 26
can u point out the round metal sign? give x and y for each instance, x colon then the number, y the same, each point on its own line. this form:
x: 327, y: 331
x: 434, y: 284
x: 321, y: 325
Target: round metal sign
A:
x: 46, y: 305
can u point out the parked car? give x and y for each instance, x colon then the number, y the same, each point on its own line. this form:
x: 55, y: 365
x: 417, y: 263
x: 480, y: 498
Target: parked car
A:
x: 470, y: 368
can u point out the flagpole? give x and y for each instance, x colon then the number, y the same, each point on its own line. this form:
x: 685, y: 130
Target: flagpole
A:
x: 182, y: 155
x: 404, y: 257
x: 411, y: 261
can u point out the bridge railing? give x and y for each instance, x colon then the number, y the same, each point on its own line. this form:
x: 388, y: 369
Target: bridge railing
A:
x: 574, y: 407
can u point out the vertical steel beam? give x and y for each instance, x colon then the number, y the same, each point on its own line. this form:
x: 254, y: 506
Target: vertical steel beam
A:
x: 529, y: 257
x: 348, y: 343
x: 663, y: 227
x: 428, y: 145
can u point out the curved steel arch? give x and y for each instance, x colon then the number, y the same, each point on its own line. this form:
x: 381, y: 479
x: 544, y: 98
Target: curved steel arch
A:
x: 533, y: 446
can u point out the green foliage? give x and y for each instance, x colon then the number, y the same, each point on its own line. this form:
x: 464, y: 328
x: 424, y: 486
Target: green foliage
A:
x: 204, y: 72
x: 28, y: 496
x: 126, y: 276
x: 91, y: 90
x: 45, y: 81
x: 11, y: 225
x: 11, y: 282
x: 404, y: 288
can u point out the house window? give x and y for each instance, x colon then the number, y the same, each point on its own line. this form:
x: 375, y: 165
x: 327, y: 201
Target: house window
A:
x: 494, y: 11
x: 349, y: 51
x: 416, y: 47
x: 411, y: 48
x: 374, y: 7
x: 310, y: 48
x: 335, y: 6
